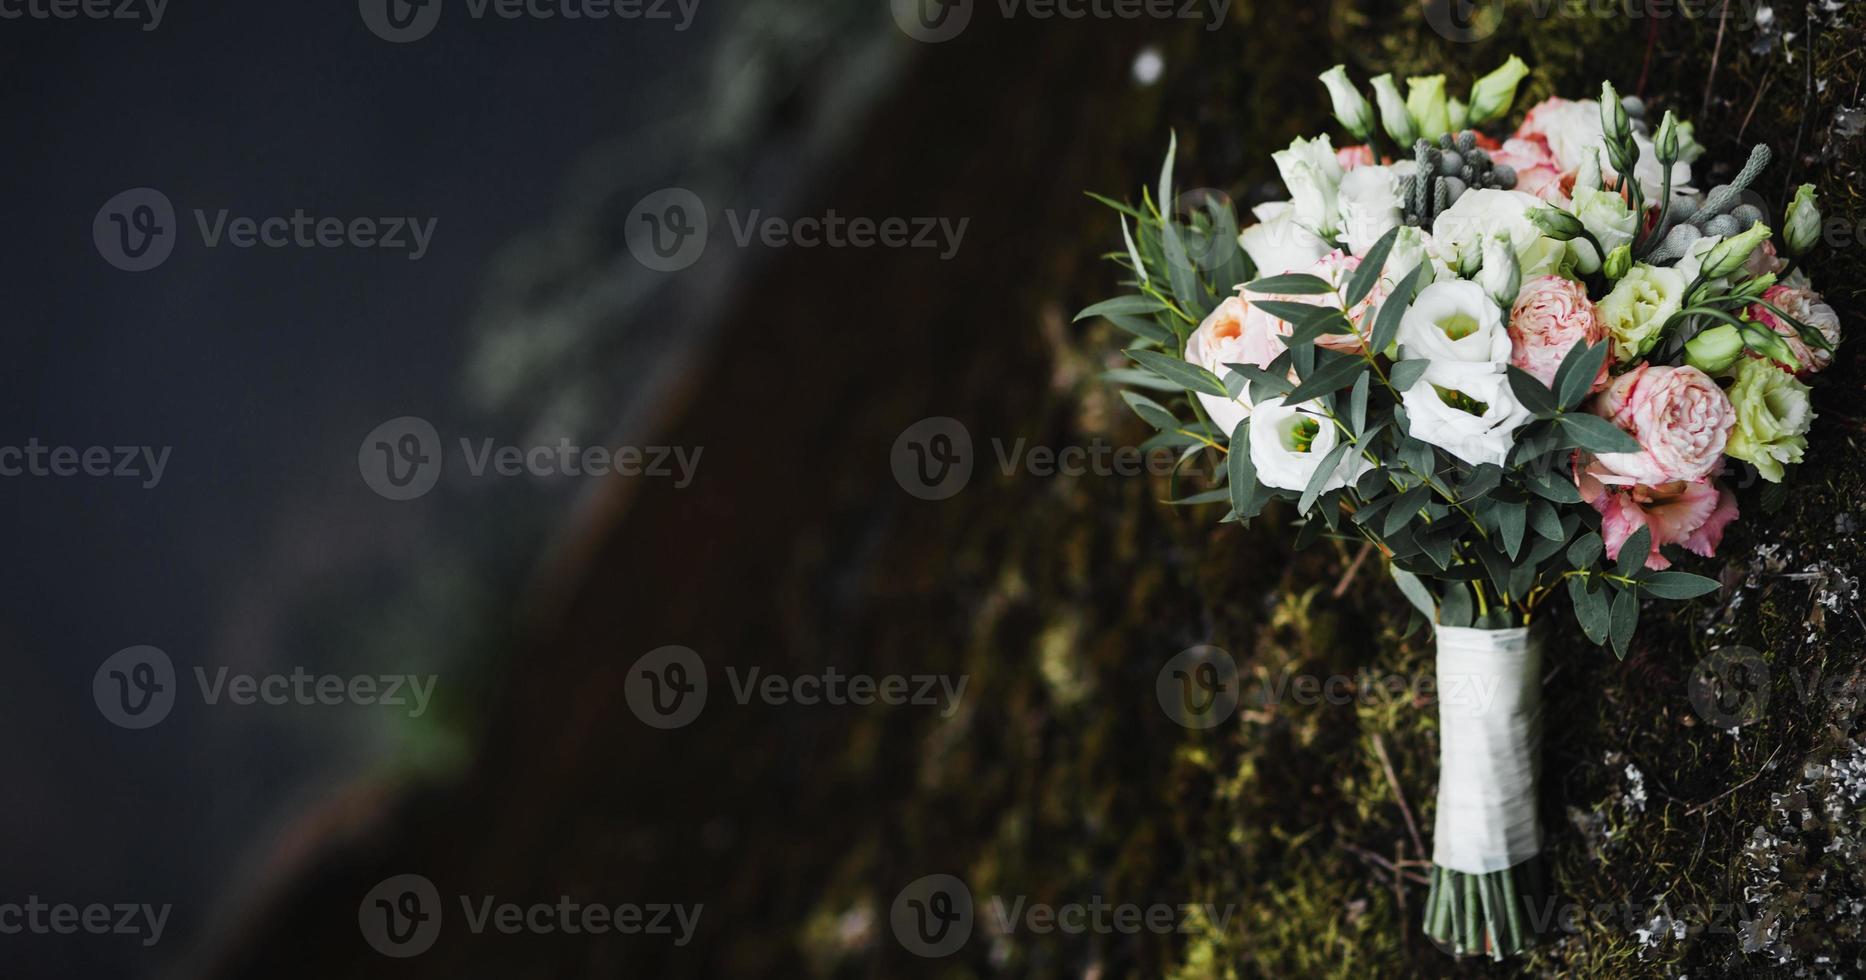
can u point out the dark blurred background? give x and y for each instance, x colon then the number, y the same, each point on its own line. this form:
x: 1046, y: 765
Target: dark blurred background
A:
x: 539, y: 315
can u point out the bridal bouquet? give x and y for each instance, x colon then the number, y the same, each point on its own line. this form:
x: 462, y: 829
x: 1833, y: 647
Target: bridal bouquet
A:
x: 1522, y: 364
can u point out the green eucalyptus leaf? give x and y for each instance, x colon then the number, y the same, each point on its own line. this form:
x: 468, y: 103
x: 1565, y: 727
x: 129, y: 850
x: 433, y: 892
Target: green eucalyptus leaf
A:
x: 1625, y: 619
x: 1678, y: 585
x: 1188, y: 376
x: 1133, y: 305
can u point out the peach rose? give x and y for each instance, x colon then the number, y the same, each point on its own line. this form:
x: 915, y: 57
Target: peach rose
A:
x: 1231, y: 335
x: 1337, y: 268
x: 1355, y: 156
x: 1551, y: 315
x: 1680, y: 417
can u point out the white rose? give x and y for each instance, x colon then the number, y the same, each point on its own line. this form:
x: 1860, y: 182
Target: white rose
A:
x: 1278, y: 243
x: 1287, y: 444
x: 1313, y: 175
x: 1483, y: 213
x: 1455, y: 322
x: 1369, y: 199
x: 1468, y: 410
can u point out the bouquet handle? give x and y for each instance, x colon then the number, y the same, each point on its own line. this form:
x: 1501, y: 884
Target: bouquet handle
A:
x: 1486, y: 876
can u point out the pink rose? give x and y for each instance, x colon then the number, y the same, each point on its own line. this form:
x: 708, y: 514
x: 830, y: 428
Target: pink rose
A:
x: 1337, y: 268
x: 1551, y: 315
x: 1804, y: 305
x: 1537, y: 171
x: 1355, y: 156
x: 1680, y: 417
x: 1691, y: 514
x: 1763, y: 260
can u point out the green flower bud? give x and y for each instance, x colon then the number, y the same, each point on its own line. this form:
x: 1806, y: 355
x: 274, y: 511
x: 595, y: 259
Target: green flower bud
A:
x: 1588, y: 174
x: 1713, y: 351
x: 1393, y: 115
x: 1730, y: 254
x: 1665, y: 145
x: 1501, y: 274
x: 1557, y: 224
x: 1350, y: 106
x: 1613, y: 122
x: 1425, y: 100
x: 1619, y: 262
x: 1457, y: 114
x: 1804, y: 222
x: 1494, y: 93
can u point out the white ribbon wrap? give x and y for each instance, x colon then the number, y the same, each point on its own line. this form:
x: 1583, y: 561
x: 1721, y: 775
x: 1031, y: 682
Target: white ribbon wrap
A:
x: 1489, y: 758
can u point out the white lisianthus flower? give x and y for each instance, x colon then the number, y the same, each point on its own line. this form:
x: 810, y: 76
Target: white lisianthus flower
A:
x: 1278, y: 242
x: 1605, y: 215
x: 1369, y: 199
x: 1288, y: 444
x: 1486, y: 212
x: 1313, y: 174
x: 1455, y: 322
x: 1468, y: 410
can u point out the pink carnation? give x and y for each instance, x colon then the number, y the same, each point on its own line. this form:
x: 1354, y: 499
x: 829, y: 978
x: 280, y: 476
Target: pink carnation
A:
x: 1355, y: 156
x: 1680, y: 417
x: 1551, y: 315
x: 1804, y: 305
x: 1537, y: 171
x: 1691, y: 514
